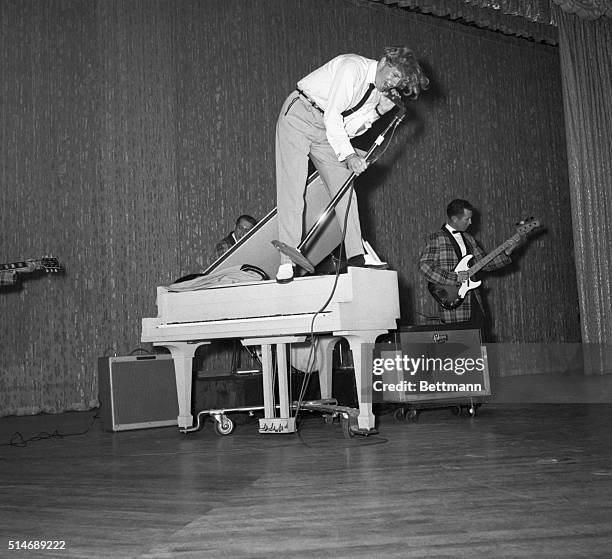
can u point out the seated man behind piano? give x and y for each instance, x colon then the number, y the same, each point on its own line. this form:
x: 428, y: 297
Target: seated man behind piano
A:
x: 334, y: 103
x: 243, y: 225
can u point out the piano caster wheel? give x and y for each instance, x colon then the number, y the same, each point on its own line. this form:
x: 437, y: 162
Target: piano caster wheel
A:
x: 224, y: 425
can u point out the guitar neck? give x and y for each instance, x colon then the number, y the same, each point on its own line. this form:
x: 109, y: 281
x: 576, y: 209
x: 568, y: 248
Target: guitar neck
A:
x: 493, y: 254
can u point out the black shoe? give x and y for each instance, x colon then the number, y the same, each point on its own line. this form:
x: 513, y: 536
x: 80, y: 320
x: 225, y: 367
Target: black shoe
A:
x: 357, y: 261
x: 361, y: 261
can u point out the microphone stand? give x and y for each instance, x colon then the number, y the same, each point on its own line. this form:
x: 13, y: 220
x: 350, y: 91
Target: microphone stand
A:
x: 296, y: 253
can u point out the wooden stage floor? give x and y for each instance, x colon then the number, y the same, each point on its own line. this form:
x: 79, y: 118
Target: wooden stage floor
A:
x: 517, y: 481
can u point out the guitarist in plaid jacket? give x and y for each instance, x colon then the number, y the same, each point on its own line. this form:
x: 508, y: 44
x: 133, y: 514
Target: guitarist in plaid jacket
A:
x: 442, y: 253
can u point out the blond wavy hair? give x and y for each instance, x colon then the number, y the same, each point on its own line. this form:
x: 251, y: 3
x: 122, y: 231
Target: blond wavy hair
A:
x: 414, y: 79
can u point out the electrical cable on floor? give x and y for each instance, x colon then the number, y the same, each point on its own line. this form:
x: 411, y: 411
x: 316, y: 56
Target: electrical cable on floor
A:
x: 18, y: 441
x: 370, y: 440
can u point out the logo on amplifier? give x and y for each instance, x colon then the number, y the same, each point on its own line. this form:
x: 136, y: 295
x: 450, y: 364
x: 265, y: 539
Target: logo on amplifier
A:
x: 440, y: 338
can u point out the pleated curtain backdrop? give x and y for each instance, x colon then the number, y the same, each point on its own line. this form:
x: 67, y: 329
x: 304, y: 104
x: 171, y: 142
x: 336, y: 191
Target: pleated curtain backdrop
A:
x: 586, y: 67
x: 135, y: 131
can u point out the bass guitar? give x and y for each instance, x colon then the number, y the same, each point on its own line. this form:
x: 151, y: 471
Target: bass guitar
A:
x: 452, y: 296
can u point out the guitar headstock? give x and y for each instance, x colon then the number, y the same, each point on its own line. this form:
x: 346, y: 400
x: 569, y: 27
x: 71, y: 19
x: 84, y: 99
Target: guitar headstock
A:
x: 527, y: 225
x: 47, y: 264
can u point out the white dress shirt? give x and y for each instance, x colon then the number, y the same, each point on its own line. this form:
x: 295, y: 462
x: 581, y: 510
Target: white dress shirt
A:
x: 337, y: 86
x: 459, y: 238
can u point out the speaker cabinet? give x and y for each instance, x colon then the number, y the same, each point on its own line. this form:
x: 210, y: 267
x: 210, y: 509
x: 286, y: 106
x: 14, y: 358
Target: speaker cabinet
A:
x: 137, y: 392
x: 450, y: 361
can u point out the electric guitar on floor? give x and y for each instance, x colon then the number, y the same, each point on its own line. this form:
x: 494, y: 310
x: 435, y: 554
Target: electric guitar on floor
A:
x: 46, y: 264
x: 452, y: 296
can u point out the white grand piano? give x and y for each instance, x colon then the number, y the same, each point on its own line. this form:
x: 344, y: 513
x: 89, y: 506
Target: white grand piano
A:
x: 364, y: 304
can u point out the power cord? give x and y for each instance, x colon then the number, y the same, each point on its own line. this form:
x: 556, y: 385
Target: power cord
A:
x: 17, y: 439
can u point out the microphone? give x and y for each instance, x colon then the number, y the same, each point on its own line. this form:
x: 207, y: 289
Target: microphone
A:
x: 397, y: 100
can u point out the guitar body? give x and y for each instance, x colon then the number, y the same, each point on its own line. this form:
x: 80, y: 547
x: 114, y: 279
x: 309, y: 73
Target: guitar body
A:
x: 451, y: 297
x: 469, y: 284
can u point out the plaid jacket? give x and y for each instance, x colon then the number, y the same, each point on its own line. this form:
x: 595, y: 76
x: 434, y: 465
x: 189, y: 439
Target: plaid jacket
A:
x: 438, y: 260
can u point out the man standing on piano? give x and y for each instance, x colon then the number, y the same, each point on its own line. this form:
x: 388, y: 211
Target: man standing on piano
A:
x: 334, y: 103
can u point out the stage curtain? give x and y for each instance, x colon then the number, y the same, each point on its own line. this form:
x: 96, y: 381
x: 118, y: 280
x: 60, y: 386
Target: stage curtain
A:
x: 529, y: 19
x: 586, y: 9
x: 534, y: 19
x: 134, y: 132
x: 586, y: 62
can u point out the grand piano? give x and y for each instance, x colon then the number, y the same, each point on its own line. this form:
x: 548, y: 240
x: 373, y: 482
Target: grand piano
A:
x: 363, y: 304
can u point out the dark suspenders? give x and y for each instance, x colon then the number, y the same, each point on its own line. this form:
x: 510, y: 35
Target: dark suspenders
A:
x: 345, y: 113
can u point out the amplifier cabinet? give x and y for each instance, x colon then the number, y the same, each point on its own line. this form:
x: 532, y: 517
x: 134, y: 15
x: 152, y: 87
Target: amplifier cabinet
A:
x: 436, y: 363
x: 137, y: 392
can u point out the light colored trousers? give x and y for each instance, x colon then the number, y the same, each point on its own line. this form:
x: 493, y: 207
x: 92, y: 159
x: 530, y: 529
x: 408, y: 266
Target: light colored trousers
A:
x: 300, y: 133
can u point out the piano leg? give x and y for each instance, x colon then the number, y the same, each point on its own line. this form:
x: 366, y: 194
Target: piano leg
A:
x: 362, y: 348
x: 182, y: 353
x: 268, y: 379
x: 284, y: 423
x: 324, y: 356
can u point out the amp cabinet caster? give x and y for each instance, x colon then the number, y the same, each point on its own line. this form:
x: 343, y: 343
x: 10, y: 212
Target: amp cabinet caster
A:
x: 472, y: 409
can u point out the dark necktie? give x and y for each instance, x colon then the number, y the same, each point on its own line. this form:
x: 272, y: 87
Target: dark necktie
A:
x: 362, y: 101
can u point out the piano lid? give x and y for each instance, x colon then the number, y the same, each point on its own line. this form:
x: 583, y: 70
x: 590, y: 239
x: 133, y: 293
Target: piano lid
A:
x: 255, y: 247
